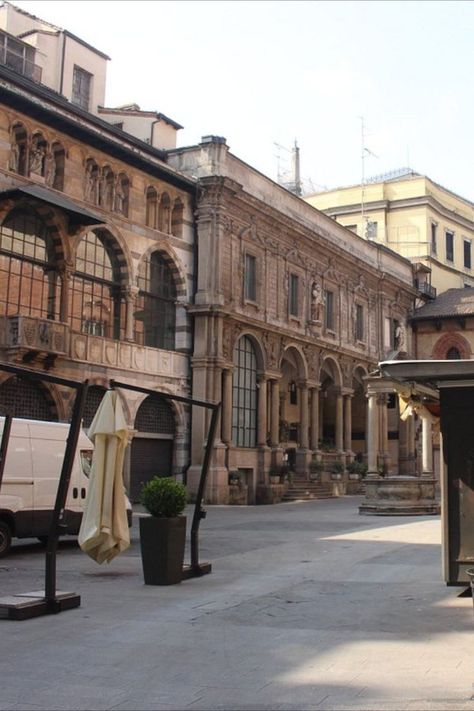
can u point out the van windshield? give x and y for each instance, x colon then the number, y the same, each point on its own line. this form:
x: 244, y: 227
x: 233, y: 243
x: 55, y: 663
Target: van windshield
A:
x: 86, y: 461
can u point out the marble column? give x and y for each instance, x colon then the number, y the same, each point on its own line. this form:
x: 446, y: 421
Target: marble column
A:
x: 262, y: 412
x: 403, y: 455
x: 383, y: 400
x: 314, y: 426
x: 226, y: 430
x: 131, y: 293
x: 339, y: 423
x: 426, y: 447
x: 303, y: 416
x: 348, y: 423
x: 65, y: 274
x: 372, y: 436
x: 275, y: 414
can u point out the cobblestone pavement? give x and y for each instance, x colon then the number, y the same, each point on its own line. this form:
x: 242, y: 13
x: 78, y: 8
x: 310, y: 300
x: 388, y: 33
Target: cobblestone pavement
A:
x: 309, y: 606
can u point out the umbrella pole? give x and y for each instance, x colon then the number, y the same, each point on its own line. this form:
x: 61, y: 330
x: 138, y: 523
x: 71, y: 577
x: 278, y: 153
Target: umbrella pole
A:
x: 4, y: 445
x: 57, y: 522
x: 199, y: 512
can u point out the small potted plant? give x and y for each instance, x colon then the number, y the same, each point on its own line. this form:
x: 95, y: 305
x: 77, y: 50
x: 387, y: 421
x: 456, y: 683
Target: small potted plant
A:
x: 163, y: 533
x: 316, y: 468
x: 337, y: 470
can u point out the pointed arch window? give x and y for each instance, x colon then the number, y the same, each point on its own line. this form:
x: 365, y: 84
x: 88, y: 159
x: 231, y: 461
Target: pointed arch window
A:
x: 29, y: 280
x: 244, y: 394
x: 155, y: 317
x: 97, y: 304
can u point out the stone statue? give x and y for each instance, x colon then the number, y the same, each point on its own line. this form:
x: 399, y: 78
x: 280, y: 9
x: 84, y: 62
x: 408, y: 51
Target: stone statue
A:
x: 317, y: 302
x: 49, y: 169
x: 14, y: 162
x: 119, y: 196
x: 91, y: 184
x: 400, y: 336
x: 36, y: 159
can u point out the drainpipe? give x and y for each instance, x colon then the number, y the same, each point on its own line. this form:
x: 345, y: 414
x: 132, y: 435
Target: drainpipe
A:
x: 152, y: 130
x: 63, y: 54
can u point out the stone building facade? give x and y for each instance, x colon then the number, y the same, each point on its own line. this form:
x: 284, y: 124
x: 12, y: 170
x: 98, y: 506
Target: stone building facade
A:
x: 291, y: 312
x: 97, y: 269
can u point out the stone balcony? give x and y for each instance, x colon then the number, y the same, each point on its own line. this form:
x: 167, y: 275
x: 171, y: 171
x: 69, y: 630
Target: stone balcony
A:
x: 26, y: 339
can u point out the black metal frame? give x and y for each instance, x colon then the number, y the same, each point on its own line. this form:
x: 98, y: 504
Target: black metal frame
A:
x: 196, y: 569
x: 51, y: 603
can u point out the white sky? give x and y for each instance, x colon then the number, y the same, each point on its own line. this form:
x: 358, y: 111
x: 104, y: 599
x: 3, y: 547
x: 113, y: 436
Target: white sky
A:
x: 261, y: 72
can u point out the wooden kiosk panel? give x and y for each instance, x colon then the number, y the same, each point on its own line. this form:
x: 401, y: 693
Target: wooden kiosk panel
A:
x: 457, y: 426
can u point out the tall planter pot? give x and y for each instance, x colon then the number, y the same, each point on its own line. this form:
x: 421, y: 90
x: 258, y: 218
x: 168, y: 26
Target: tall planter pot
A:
x: 162, y: 542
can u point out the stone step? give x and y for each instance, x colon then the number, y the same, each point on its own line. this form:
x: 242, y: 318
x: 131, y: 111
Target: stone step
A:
x: 307, y: 490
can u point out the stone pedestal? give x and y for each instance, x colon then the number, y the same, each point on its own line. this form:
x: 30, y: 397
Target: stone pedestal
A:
x: 400, y: 496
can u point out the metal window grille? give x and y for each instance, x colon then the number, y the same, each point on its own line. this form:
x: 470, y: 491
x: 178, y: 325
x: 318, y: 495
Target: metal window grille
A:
x: 95, y: 393
x: 244, y: 394
x: 29, y: 281
x: 97, y: 305
x: 155, y: 415
x: 23, y: 399
x: 155, y: 316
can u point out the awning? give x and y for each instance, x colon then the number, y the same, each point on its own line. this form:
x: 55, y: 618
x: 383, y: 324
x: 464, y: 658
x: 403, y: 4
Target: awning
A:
x: 77, y: 214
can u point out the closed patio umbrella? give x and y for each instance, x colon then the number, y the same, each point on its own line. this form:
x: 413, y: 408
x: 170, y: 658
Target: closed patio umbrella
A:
x: 104, y: 531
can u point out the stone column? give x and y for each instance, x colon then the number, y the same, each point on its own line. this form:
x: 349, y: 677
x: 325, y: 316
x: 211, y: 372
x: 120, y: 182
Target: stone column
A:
x: 226, y: 428
x: 314, y: 419
x: 384, y: 432
x: 65, y: 274
x: 275, y: 414
x: 262, y: 412
x: 403, y: 455
x: 372, y: 436
x: 303, y: 388
x: 131, y: 293
x: 411, y: 446
x: 339, y: 423
x: 348, y: 423
x: 426, y: 448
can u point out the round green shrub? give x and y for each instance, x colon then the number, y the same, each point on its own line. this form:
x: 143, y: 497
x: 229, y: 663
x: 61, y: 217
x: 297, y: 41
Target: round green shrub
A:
x: 164, y: 497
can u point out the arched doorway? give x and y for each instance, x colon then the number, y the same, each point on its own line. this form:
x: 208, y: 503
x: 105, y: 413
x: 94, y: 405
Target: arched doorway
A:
x: 31, y: 401
x: 152, y: 447
x: 330, y: 391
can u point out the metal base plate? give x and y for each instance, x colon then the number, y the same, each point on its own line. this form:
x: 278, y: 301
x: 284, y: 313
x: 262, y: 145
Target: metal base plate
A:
x: 198, y: 572
x: 24, y: 606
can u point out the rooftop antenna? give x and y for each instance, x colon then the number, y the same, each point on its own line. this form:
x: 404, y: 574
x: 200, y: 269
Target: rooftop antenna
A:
x: 364, y: 151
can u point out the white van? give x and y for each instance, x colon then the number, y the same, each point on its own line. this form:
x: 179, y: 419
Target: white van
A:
x: 31, y: 476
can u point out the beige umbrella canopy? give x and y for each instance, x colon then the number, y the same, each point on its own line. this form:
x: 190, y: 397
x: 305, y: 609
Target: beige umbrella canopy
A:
x: 104, y: 531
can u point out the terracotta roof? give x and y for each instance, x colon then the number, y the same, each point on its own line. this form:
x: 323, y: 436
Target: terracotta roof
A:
x: 450, y: 304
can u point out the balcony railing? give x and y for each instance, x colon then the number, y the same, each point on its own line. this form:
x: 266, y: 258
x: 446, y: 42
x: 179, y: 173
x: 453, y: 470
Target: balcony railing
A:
x: 426, y: 289
x: 15, y: 58
x: 33, y: 334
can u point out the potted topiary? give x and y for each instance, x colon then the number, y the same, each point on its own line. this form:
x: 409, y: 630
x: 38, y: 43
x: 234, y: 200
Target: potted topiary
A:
x: 316, y: 468
x: 163, y: 534
x: 337, y: 470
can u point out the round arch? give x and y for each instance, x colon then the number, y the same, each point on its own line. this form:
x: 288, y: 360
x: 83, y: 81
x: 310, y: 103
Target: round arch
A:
x: 296, y: 358
x: 448, y: 341
x: 114, y: 241
x: 257, y: 346
x: 29, y: 400
x: 52, y: 219
x: 173, y: 263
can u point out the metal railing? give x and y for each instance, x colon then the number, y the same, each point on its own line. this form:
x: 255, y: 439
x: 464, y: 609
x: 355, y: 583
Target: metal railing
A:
x: 14, y: 58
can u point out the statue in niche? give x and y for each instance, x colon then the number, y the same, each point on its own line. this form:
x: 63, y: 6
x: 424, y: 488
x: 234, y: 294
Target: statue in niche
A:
x: 119, y: 196
x: 317, y: 302
x: 400, y: 336
x: 90, y: 190
x: 49, y: 169
x: 14, y: 161
x: 36, y: 159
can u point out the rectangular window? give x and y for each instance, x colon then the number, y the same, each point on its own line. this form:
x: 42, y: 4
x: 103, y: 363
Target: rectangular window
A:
x: 293, y: 295
x: 329, y: 313
x: 450, y: 246
x: 467, y: 254
x: 434, y: 245
x: 371, y: 230
x: 81, y: 87
x: 359, y: 324
x: 250, y: 278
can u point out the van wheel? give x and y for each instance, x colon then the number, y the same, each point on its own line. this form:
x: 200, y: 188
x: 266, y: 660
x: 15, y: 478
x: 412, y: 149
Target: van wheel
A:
x: 5, y: 538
